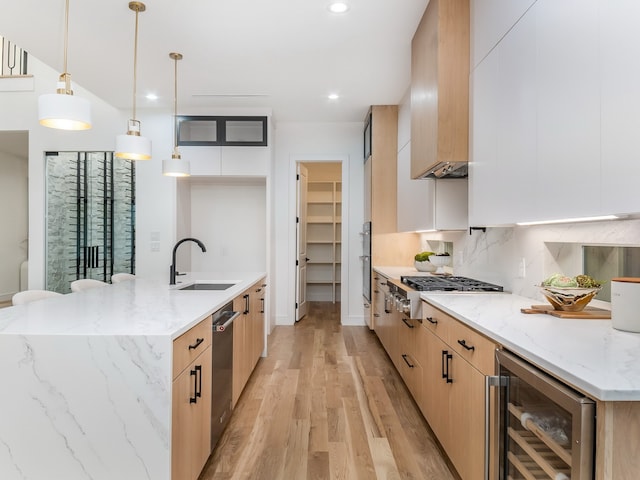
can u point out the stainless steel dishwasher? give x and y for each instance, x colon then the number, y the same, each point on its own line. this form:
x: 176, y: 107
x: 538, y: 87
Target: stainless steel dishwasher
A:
x: 221, y: 371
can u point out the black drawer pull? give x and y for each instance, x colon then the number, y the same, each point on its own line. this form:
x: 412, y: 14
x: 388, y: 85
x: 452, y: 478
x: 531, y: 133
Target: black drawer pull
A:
x: 404, y: 320
x: 404, y: 357
x: 444, y: 357
x: 194, y: 374
x: 432, y: 321
x: 464, y: 344
x: 449, y: 357
x: 197, y: 344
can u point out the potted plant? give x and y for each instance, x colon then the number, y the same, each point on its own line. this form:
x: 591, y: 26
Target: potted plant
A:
x: 421, y: 262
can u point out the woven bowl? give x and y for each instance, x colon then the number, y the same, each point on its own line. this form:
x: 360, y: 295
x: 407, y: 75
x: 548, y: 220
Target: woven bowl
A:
x: 569, y: 299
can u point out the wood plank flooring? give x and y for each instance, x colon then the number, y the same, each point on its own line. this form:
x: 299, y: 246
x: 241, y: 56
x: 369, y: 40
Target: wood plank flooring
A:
x: 326, y: 403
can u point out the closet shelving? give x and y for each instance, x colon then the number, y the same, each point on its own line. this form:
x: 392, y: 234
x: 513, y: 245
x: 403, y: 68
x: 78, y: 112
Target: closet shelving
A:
x: 324, y: 231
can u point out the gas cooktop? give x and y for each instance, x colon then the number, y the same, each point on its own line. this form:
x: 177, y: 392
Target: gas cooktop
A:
x: 449, y: 284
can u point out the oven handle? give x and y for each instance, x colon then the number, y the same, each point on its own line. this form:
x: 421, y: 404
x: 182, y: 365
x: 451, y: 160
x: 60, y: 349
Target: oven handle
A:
x: 490, y: 381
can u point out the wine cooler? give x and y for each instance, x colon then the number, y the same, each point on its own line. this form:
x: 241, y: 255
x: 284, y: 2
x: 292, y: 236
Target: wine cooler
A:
x: 547, y: 429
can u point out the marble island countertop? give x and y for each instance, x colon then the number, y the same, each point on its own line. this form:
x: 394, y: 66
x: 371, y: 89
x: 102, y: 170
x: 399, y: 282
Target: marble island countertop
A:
x: 590, y: 355
x: 138, y: 307
x: 88, y: 378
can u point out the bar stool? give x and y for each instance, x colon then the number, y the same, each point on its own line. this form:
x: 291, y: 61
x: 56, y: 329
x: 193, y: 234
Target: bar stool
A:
x: 28, y: 296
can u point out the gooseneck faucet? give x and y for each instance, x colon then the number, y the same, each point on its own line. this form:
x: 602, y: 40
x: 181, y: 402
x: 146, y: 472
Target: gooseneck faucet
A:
x: 172, y: 269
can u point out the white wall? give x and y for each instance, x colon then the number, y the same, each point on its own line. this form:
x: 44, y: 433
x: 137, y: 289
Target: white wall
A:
x: 229, y: 217
x: 317, y: 142
x: 20, y: 112
x: 14, y: 214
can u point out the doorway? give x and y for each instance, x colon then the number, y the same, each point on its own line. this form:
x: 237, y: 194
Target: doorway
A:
x: 318, y: 234
x: 14, y: 211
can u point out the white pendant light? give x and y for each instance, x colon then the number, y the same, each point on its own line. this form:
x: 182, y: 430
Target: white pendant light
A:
x: 62, y: 109
x: 176, y: 167
x: 133, y: 146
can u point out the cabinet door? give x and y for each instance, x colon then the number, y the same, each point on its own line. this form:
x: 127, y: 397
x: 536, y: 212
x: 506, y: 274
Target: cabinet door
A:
x: 191, y: 419
x: 250, y: 161
x: 491, y: 21
x: 568, y: 113
x: 204, y: 161
x: 435, y: 392
x: 466, y: 415
x: 257, y: 322
x: 240, y: 355
x: 409, y: 365
x: 620, y: 77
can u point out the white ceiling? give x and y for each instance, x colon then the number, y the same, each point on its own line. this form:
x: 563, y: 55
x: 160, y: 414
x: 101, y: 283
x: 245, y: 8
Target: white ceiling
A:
x: 291, y: 53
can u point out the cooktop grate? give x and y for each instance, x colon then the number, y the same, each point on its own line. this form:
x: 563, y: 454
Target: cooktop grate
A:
x: 450, y: 284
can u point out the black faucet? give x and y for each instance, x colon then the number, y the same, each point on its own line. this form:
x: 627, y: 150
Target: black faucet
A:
x: 172, y: 269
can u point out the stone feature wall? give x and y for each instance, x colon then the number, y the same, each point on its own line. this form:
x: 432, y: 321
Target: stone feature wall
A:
x: 90, y: 207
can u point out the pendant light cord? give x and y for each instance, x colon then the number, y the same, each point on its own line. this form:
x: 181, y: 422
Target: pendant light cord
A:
x: 175, y: 101
x: 66, y: 36
x: 135, y: 64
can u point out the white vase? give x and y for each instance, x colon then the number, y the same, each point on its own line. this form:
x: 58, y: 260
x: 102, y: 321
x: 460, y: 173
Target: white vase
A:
x: 425, y: 266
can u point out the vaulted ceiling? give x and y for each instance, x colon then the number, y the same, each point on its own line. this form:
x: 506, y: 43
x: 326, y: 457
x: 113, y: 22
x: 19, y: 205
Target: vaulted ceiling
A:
x: 287, y: 55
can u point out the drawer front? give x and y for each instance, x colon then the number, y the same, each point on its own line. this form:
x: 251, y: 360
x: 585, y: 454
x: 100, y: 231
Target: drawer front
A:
x: 436, y: 320
x: 191, y: 344
x: 473, y: 347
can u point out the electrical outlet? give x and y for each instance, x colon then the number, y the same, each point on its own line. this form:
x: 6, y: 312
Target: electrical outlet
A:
x: 522, y: 268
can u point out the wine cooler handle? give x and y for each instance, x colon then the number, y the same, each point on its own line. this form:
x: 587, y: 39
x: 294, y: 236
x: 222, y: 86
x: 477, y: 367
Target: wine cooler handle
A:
x: 490, y: 381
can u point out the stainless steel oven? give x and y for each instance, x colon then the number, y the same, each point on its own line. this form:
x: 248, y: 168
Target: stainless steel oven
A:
x: 546, y: 428
x: 366, y: 261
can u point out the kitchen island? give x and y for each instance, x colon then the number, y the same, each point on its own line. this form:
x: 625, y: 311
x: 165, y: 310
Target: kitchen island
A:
x: 87, y: 378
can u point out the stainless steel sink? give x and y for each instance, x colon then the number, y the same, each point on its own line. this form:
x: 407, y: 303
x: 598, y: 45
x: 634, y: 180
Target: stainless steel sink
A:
x: 207, y: 286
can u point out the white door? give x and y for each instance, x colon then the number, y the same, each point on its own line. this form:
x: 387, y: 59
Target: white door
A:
x: 301, y: 242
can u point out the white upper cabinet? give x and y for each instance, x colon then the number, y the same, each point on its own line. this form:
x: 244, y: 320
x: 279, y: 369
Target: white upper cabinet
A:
x: 490, y: 21
x: 620, y: 84
x: 568, y: 108
x: 503, y: 155
x: 555, y: 114
x: 245, y: 161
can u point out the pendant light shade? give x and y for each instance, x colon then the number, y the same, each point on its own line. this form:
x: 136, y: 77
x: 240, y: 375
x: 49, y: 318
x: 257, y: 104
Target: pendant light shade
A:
x: 132, y: 145
x: 62, y: 110
x: 176, y: 167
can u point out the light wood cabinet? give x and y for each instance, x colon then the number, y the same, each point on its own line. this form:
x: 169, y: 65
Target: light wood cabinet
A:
x: 379, y: 292
x: 248, y: 336
x: 440, y: 86
x: 324, y: 234
x: 191, y: 402
x: 455, y: 360
x: 408, y: 359
x: 381, y: 204
x: 385, y: 324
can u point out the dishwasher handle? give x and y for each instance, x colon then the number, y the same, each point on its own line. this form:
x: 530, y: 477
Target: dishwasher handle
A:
x: 223, y: 322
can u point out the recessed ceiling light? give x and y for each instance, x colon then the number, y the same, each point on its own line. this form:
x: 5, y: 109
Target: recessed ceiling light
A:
x: 333, y: 96
x: 338, y: 7
x: 151, y: 96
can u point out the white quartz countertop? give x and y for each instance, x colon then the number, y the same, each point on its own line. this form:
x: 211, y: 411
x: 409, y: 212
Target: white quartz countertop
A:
x: 591, y: 355
x: 397, y: 272
x: 136, y: 307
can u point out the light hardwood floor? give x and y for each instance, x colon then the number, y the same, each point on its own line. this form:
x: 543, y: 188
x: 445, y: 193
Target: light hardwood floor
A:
x: 326, y: 403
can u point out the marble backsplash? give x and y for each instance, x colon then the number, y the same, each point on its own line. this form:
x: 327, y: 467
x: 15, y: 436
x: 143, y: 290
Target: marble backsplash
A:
x: 519, y: 257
